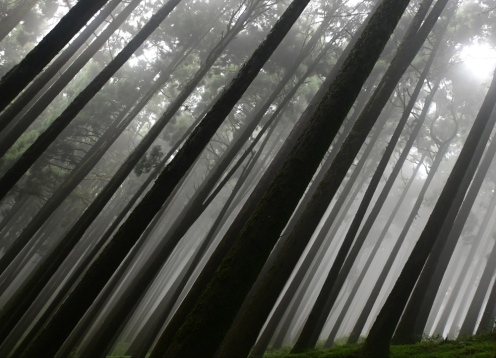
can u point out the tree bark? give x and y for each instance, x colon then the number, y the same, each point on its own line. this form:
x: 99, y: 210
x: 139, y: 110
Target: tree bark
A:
x: 221, y: 300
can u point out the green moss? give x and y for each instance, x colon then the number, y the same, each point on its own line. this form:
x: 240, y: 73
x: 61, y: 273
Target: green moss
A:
x: 476, y: 346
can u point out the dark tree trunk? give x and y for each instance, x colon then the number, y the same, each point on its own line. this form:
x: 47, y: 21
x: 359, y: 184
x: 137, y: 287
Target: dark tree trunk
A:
x: 486, y: 323
x: 97, y: 275
x: 20, y: 104
x: 237, y: 225
x: 448, y: 308
x: 254, y: 316
x: 61, y: 122
x: 151, y: 330
x: 340, y: 268
x: 470, y: 323
x: 14, y: 81
x: 364, y: 270
x: 206, y: 325
x: 412, y: 323
x: 379, y: 338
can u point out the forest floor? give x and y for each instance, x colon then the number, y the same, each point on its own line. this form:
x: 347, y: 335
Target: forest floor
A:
x: 482, y: 346
x: 473, y: 346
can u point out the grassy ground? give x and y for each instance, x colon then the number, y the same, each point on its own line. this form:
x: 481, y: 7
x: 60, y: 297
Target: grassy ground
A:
x: 483, y: 346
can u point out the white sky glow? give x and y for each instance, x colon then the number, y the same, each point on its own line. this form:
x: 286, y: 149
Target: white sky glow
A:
x: 480, y: 60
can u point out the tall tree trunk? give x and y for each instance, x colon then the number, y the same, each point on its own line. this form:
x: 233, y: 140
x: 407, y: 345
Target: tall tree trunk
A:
x: 14, y: 81
x: 15, y: 16
x: 448, y: 308
x: 237, y: 225
x: 345, y: 258
x: 412, y: 323
x: 486, y: 323
x: 23, y: 101
x: 470, y: 323
x: 365, y: 269
x: 61, y: 122
x: 378, y: 340
x: 54, y: 333
x: 253, y: 317
x: 206, y: 325
x: 150, y: 333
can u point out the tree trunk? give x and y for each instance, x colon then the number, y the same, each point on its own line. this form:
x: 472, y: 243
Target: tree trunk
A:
x: 208, y: 322
x: 55, y: 332
x: 14, y: 81
x: 61, y: 122
x: 448, y: 308
x: 364, y: 270
x: 470, y: 323
x: 237, y: 225
x: 412, y: 323
x: 378, y: 340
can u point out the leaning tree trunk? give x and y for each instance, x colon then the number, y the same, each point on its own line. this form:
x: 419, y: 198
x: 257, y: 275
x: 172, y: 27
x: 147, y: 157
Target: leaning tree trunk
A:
x: 237, y: 225
x: 206, y: 325
x: 61, y: 122
x: 15, y: 16
x: 30, y: 94
x: 379, y: 338
x: 486, y: 323
x: 341, y: 268
x: 14, y: 81
x: 82, y: 296
x: 344, y: 310
x: 197, y: 205
x: 448, y: 308
x: 412, y: 323
x: 470, y: 322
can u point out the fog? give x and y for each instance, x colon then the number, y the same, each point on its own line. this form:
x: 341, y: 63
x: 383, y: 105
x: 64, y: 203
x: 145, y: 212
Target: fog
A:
x: 221, y: 178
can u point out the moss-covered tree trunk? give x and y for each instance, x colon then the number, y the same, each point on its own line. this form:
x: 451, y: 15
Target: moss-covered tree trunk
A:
x: 61, y: 122
x: 14, y: 81
x: 207, y: 323
x: 250, y: 204
x: 379, y: 338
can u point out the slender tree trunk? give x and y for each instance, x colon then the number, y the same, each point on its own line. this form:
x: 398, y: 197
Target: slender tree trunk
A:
x: 414, y: 318
x: 237, y: 225
x: 448, y: 308
x: 15, y: 16
x: 345, y: 259
x: 150, y: 333
x: 206, y: 325
x: 470, y: 323
x: 378, y: 340
x: 365, y: 269
x: 61, y: 122
x: 41, y: 81
x: 486, y: 323
x: 55, y: 332
x: 14, y: 81
x: 253, y: 317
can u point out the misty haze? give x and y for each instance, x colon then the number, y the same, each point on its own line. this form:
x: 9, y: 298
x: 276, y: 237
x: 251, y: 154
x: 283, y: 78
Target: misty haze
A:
x: 247, y: 178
